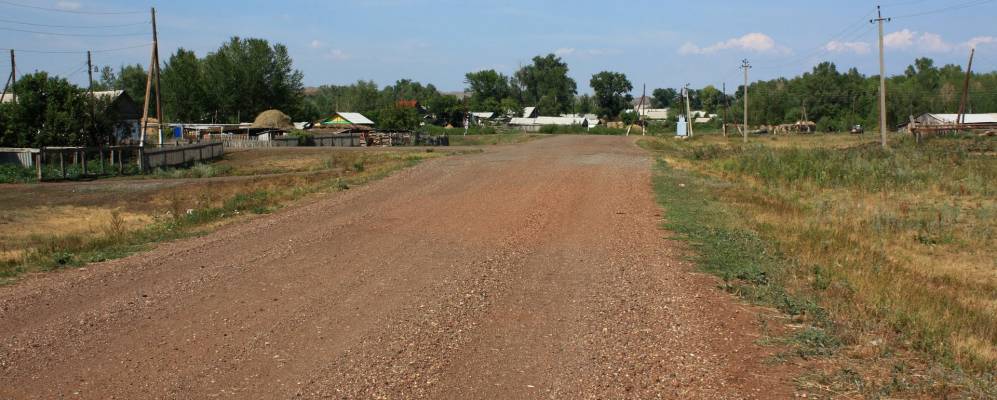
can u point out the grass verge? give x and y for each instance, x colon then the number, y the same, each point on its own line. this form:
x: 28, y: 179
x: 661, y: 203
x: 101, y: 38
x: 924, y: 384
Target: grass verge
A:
x: 884, y: 259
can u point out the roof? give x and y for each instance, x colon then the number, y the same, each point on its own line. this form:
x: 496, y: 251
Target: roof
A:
x: 529, y: 112
x: 355, y: 118
x: 657, y: 113
x: 483, y: 115
x: 566, y: 121
x: 6, y: 98
x: 637, y: 101
x: 108, y: 94
x: 968, y: 118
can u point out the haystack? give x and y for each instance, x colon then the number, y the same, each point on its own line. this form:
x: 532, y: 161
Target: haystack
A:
x: 273, y: 119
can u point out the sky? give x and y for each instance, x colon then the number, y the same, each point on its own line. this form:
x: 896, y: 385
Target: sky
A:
x: 655, y: 43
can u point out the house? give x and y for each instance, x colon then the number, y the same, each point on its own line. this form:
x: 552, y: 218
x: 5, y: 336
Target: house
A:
x: 346, y: 118
x: 127, y: 113
x: 531, y: 112
x: 480, y: 117
x: 7, y: 97
x: 970, y: 121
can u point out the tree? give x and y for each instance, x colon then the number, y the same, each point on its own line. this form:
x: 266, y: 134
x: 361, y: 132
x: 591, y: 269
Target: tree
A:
x: 245, y: 77
x: 397, y: 118
x: 183, y: 88
x: 612, y: 92
x: 50, y: 111
x: 664, y: 98
x: 488, y: 90
x: 546, y: 84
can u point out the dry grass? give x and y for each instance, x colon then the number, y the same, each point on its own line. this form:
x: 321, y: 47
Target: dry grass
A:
x: 902, y: 254
x: 53, y: 226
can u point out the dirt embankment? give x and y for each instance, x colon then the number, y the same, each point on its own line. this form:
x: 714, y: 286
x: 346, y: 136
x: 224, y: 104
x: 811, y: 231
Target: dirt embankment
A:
x: 534, y: 271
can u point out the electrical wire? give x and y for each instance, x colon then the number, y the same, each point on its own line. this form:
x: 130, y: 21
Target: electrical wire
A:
x: 75, y: 34
x: 60, y: 10
x: 34, y: 51
x: 145, y: 23
x: 960, y: 6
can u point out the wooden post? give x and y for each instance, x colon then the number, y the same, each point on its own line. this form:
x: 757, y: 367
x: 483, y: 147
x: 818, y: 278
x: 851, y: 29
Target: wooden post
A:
x: 62, y: 162
x: 83, y: 158
x: 38, y: 165
x: 121, y: 162
x: 103, y: 169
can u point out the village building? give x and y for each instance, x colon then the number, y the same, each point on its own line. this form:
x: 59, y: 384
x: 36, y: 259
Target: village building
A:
x: 340, y: 119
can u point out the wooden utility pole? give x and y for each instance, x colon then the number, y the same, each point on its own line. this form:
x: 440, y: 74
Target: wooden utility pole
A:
x: 882, y: 75
x: 152, y: 79
x: 12, y: 79
x: 745, y: 65
x: 964, y: 102
x: 93, y: 97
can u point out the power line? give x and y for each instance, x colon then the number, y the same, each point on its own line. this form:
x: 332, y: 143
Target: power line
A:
x: 75, y: 26
x: 960, y: 6
x: 75, y: 51
x: 74, y: 34
x: 60, y: 10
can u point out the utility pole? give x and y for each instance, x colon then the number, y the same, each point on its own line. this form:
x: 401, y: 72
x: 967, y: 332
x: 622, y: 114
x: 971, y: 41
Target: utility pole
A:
x: 12, y: 79
x: 688, y: 109
x: 149, y: 82
x: 93, y: 97
x: 745, y: 65
x: 882, y: 75
x: 964, y: 103
x: 643, y: 112
x: 726, y: 108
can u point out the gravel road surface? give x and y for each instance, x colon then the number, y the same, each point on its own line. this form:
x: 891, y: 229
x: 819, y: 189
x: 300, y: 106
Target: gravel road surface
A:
x: 529, y: 271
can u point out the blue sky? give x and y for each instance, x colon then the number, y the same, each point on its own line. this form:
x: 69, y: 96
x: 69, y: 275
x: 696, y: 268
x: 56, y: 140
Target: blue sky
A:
x: 660, y: 43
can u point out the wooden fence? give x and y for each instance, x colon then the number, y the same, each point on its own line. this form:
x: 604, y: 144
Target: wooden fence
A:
x: 247, y: 143
x: 165, y: 157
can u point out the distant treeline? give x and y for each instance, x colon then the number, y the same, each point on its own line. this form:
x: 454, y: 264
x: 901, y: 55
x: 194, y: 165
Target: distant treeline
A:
x: 245, y: 77
x: 836, y: 100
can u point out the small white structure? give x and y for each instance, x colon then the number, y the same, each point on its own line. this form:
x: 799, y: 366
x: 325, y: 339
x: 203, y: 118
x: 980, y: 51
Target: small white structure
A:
x: 535, y: 124
x: 530, y: 112
x: 682, y: 127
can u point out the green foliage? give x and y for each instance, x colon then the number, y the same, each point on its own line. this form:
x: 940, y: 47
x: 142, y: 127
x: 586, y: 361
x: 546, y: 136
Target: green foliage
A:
x: 664, y: 98
x: 397, y: 118
x: 491, y: 91
x: 546, y: 85
x: 837, y: 100
x: 612, y: 93
x: 16, y: 174
x: 50, y: 111
x: 628, y: 118
x: 241, y: 79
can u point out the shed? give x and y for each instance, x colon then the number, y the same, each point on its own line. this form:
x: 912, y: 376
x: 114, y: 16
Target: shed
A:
x: 971, y: 121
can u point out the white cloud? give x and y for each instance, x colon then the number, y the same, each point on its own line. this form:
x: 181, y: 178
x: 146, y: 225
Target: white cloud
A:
x: 899, y: 40
x: 754, y: 42
x: 68, y: 5
x: 853, y: 47
x: 564, y: 51
x: 980, y: 40
x: 338, y: 55
x: 933, y: 42
x: 924, y: 41
x: 316, y: 44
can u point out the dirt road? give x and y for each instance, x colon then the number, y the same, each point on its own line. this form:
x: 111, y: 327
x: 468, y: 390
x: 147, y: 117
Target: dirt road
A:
x: 530, y: 271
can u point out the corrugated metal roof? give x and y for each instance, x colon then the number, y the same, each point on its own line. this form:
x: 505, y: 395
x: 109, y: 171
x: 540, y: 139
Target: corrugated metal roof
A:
x: 523, y: 121
x: 483, y: 115
x: 529, y: 111
x: 969, y: 118
x: 356, y: 118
